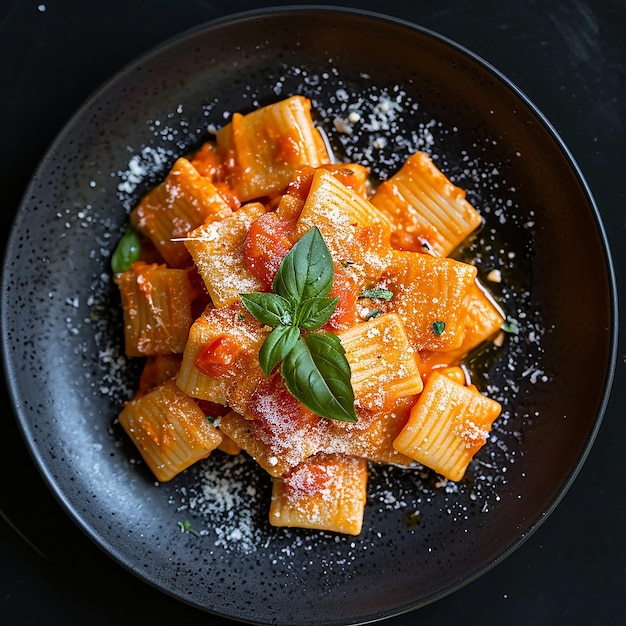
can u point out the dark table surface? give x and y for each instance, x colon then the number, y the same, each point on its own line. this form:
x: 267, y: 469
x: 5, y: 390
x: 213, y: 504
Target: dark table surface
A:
x: 568, y: 57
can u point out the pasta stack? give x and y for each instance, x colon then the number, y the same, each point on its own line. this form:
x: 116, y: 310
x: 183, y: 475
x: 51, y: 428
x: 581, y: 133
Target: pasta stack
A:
x: 407, y: 314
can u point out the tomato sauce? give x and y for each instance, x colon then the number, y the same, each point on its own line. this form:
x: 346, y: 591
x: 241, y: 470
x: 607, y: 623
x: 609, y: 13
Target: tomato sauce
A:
x: 265, y: 246
x: 218, y: 358
x: 278, y: 417
x: 345, y: 313
x: 305, y: 480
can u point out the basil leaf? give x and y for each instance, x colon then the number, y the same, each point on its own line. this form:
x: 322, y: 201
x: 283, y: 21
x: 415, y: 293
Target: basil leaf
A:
x: 377, y: 294
x: 276, y: 346
x: 306, y: 271
x: 315, y: 313
x: 126, y: 252
x: 317, y: 373
x: 268, y: 308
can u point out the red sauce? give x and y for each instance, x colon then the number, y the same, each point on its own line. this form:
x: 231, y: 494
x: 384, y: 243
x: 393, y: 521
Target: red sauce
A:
x: 218, y: 358
x: 345, y: 313
x: 277, y: 416
x: 306, y: 480
x: 265, y: 246
x: 288, y: 150
x: 300, y: 184
x: 211, y: 409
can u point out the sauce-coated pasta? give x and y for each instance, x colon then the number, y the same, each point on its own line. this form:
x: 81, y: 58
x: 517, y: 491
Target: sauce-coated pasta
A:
x: 318, y: 360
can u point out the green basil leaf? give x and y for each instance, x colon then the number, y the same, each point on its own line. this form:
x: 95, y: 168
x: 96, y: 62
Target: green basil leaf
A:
x: 306, y: 271
x: 377, y: 294
x: 126, y: 252
x: 317, y: 373
x: 315, y: 313
x: 276, y: 346
x: 268, y: 308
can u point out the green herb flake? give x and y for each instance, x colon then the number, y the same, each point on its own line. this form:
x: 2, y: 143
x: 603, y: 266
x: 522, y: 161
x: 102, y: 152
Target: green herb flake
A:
x: 413, y: 519
x: 377, y: 294
x: 511, y: 326
x: 313, y: 365
x: 373, y: 313
x: 185, y: 527
x: 438, y: 327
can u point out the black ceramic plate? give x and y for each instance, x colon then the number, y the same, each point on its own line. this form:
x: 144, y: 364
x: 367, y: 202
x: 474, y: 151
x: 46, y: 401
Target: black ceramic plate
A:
x: 422, y: 537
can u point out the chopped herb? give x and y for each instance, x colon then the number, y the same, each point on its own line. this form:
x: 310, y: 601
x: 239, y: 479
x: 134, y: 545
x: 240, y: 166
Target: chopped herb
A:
x: 313, y: 365
x: 511, y: 326
x: 185, y: 527
x: 413, y: 520
x: 377, y: 294
x: 373, y: 313
x: 347, y: 263
x: 438, y: 327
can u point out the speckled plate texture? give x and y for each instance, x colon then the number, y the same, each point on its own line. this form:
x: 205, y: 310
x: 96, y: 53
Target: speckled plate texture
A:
x: 381, y: 89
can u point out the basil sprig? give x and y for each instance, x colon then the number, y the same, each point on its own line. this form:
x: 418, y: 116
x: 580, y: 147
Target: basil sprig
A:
x: 313, y: 365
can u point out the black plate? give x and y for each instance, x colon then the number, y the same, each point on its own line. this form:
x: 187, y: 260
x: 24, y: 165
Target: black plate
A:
x: 422, y: 538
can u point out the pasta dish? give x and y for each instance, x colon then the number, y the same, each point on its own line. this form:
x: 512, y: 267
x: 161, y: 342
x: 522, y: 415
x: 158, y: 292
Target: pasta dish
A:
x: 291, y: 309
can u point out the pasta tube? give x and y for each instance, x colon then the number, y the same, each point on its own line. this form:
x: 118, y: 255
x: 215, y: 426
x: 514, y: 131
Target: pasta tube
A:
x: 425, y: 208
x: 169, y: 429
x: 447, y: 426
x: 326, y: 492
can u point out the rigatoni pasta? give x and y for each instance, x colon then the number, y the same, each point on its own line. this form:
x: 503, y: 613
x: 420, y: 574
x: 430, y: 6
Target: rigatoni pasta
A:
x: 157, y: 304
x: 266, y: 146
x: 447, y: 426
x: 290, y: 310
x: 323, y: 492
x: 184, y: 200
x: 425, y: 208
x: 169, y: 429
